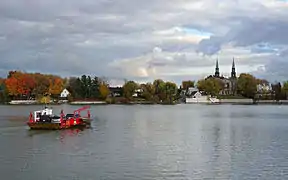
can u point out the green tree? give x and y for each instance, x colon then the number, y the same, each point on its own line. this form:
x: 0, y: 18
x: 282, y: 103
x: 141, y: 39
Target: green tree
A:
x: 170, y: 92
x: 95, y: 87
x: 89, y: 87
x: 277, y: 89
x: 247, y: 85
x: 129, y: 89
x: 4, y: 96
x: 84, y: 86
x: 211, y: 86
x: 285, y: 88
x: 74, y: 87
x: 159, y: 86
x: 148, y: 91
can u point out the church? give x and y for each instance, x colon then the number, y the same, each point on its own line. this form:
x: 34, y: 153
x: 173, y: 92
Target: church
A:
x: 230, y: 83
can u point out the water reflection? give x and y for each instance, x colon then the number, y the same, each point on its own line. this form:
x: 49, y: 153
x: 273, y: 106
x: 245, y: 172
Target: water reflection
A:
x: 32, y: 133
x: 153, y: 142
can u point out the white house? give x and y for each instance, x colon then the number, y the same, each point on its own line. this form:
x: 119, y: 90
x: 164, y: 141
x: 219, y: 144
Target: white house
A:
x: 64, y: 93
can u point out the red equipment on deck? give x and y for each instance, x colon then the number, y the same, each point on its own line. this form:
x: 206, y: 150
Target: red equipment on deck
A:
x: 78, y: 111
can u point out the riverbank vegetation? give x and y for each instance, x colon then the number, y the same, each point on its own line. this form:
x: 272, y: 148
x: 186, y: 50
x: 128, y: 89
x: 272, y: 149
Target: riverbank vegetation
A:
x: 45, y: 87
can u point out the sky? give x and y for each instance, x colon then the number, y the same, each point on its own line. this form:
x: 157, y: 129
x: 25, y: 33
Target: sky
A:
x: 144, y: 40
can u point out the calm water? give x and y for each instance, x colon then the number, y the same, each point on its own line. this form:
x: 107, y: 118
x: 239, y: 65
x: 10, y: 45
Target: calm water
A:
x: 150, y: 142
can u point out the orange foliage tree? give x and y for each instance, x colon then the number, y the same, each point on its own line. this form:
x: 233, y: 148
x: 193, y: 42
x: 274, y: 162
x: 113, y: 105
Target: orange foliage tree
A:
x: 11, y: 85
x: 56, y: 86
x: 20, y: 84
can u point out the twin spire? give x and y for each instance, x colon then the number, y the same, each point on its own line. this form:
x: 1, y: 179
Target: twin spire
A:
x: 233, y: 72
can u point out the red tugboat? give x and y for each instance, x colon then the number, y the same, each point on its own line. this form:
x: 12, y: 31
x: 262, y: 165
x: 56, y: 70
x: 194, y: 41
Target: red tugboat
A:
x: 45, y: 119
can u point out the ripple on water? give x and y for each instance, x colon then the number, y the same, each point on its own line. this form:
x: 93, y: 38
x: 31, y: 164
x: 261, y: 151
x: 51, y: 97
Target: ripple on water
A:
x: 152, y: 143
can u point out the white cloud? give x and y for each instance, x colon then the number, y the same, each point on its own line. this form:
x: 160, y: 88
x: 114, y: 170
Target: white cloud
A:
x: 159, y: 63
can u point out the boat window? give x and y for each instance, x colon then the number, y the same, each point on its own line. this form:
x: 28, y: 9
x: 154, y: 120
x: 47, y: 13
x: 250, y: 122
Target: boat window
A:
x: 69, y: 115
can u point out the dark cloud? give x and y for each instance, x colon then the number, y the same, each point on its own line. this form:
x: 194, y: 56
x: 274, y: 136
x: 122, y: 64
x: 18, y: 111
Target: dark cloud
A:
x: 210, y: 46
x: 72, y: 37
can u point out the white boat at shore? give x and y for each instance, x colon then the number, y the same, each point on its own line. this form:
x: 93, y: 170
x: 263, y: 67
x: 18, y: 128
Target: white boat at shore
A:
x: 23, y: 102
x: 196, y: 96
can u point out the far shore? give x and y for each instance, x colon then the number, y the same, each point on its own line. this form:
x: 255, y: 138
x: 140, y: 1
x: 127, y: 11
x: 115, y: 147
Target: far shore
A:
x: 222, y: 101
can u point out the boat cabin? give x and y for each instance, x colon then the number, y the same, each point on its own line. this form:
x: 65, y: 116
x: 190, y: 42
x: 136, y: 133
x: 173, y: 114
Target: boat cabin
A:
x: 45, y: 115
x: 46, y: 111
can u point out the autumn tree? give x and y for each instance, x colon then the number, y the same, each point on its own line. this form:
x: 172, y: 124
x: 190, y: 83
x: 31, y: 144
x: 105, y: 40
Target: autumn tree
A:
x: 262, y: 82
x: 11, y: 85
x: 56, y: 86
x: 104, y: 90
x: 187, y: 84
x: 247, y: 85
x: 42, y: 84
x: 19, y: 84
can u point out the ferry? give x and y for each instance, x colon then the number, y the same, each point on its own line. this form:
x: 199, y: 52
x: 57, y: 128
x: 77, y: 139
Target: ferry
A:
x: 45, y: 119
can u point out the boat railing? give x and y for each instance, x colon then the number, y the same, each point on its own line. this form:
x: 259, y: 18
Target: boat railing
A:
x: 31, y: 119
x: 77, y: 112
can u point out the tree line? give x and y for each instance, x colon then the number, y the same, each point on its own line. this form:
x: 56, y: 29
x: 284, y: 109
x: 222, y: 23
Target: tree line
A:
x: 25, y: 86
x: 21, y: 85
x: 157, y: 92
x: 247, y: 86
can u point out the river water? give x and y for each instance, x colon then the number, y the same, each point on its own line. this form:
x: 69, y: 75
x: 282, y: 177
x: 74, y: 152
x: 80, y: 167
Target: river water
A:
x: 154, y: 142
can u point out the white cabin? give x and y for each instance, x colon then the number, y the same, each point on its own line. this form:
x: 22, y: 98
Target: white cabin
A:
x: 38, y: 116
x: 45, y: 111
x: 64, y: 93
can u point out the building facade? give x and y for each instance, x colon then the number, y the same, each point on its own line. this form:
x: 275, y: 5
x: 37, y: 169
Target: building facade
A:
x: 229, y: 85
x: 64, y: 93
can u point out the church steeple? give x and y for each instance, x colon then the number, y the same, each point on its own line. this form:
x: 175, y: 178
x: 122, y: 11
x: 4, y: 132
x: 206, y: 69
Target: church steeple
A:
x: 217, y: 73
x: 233, y: 72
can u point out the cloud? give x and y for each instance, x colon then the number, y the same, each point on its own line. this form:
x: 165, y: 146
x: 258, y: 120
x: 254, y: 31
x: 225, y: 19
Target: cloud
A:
x: 143, y: 40
x: 163, y: 64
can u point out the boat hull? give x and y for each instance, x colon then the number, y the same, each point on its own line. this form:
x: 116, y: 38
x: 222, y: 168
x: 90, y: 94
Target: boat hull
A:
x: 46, y: 120
x: 58, y: 126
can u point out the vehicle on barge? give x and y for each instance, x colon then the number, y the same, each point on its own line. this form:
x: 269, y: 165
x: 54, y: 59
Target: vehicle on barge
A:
x: 45, y: 119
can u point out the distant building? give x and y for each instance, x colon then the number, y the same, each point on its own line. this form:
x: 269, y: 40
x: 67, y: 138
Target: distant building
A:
x: 137, y: 92
x: 229, y: 84
x: 116, y: 91
x: 64, y: 93
x: 264, y: 88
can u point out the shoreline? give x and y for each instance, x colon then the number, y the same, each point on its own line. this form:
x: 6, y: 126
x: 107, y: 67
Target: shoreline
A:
x: 265, y: 102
